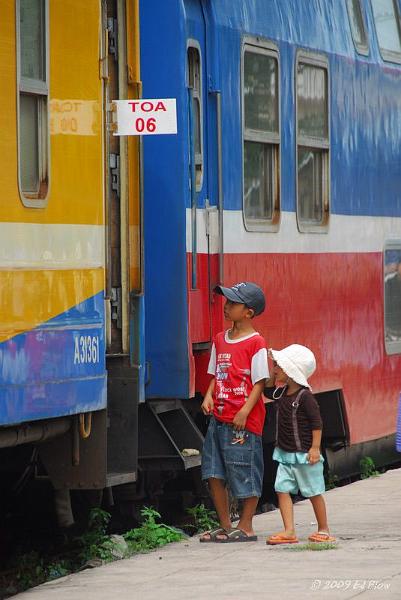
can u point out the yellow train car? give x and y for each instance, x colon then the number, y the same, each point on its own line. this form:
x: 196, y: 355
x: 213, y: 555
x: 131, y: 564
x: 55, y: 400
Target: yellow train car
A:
x: 70, y: 241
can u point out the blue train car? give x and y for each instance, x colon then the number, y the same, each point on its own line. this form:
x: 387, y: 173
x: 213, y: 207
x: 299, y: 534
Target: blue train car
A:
x: 285, y: 171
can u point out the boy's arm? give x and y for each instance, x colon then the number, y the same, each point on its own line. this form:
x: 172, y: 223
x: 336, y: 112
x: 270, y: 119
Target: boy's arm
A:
x: 314, y: 450
x: 208, y: 403
x: 271, y: 379
x: 240, y: 418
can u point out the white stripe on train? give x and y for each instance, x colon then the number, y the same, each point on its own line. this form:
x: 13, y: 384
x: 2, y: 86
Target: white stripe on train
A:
x: 345, y: 234
x: 51, y: 246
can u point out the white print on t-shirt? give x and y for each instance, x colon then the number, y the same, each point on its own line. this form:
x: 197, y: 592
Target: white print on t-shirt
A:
x: 240, y: 391
x: 222, y: 393
x: 243, y: 388
x: 259, y: 368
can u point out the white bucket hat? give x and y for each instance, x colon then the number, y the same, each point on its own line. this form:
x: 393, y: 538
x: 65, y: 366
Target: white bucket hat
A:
x: 298, y: 362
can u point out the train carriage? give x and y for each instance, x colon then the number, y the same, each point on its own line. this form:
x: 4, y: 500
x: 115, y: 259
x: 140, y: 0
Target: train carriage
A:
x: 70, y: 252
x: 285, y: 171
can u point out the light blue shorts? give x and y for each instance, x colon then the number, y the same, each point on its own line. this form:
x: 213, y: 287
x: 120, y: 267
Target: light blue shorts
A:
x: 295, y: 476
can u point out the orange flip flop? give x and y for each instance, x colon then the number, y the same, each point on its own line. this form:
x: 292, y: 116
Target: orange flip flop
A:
x: 321, y: 536
x: 275, y: 540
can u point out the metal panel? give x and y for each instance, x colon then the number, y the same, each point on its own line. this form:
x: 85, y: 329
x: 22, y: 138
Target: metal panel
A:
x: 332, y: 410
x: 57, y: 457
x: 122, y: 453
x: 345, y: 462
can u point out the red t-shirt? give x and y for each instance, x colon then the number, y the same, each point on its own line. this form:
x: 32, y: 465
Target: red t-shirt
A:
x: 237, y: 365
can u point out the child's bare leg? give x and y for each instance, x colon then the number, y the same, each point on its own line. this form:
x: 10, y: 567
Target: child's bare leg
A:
x: 319, y: 508
x: 219, y: 495
x: 287, y: 514
x: 248, y: 511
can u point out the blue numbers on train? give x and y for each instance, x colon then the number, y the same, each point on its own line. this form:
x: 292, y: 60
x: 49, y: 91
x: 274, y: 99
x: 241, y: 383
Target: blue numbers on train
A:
x: 86, y: 349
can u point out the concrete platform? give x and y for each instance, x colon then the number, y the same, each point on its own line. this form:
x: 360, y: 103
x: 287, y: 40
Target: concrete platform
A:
x: 365, y: 517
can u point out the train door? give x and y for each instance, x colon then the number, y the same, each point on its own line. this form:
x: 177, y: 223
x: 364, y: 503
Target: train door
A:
x: 120, y: 73
x: 202, y: 216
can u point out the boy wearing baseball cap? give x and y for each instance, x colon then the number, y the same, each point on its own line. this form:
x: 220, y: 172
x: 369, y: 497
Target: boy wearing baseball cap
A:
x: 299, y: 433
x: 232, y: 453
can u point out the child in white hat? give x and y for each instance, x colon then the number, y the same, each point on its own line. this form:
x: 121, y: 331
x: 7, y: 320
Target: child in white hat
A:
x: 299, y: 433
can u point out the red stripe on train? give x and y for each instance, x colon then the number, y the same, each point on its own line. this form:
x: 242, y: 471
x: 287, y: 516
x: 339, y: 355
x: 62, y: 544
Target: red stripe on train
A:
x: 332, y: 303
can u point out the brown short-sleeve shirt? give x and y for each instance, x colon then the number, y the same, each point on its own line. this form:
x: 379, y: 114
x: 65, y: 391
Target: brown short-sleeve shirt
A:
x: 307, y: 416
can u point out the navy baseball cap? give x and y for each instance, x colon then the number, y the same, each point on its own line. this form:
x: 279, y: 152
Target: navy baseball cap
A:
x: 246, y: 293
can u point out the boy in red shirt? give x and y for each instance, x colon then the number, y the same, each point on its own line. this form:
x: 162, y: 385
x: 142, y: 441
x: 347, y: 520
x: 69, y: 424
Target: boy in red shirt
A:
x: 232, y: 453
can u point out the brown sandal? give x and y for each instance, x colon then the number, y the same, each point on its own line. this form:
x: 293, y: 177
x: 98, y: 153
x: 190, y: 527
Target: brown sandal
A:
x: 213, y: 533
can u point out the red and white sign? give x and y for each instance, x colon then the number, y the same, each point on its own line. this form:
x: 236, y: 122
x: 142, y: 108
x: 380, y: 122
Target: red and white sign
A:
x: 146, y: 117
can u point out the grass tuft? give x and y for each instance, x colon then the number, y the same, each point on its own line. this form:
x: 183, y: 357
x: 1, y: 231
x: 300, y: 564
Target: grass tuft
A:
x: 314, y: 546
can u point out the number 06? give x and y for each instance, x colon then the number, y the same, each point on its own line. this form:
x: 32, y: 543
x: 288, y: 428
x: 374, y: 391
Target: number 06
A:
x: 150, y: 125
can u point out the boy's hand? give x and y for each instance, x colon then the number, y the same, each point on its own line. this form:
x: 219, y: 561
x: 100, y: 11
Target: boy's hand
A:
x: 313, y: 455
x: 207, y: 404
x: 239, y: 420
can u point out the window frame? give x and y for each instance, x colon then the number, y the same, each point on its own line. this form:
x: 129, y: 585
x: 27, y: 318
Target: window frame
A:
x: 360, y: 48
x: 265, y: 47
x: 320, y: 61
x: 391, y: 346
x: 40, y: 90
x: 193, y: 43
x: 389, y: 55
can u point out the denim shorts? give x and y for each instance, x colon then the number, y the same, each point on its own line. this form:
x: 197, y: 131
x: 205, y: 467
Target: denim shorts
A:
x: 239, y: 465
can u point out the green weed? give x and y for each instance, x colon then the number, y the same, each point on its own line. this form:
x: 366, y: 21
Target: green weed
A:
x: 203, y: 518
x: 33, y: 570
x: 151, y: 534
x: 94, y: 542
x: 57, y: 569
x: 368, y: 468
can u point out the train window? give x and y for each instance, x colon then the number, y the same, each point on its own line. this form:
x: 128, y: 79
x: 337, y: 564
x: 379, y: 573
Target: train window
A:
x: 392, y: 297
x: 387, y: 22
x: 261, y: 138
x: 313, y: 143
x: 33, y: 91
x: 357, y: 24
x: 195, y: 84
